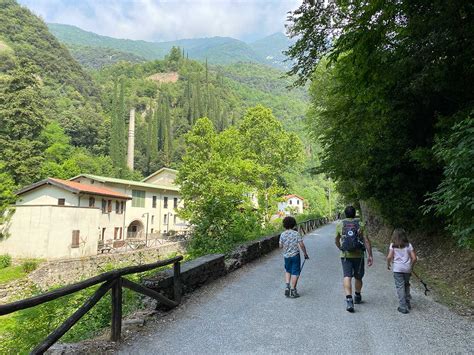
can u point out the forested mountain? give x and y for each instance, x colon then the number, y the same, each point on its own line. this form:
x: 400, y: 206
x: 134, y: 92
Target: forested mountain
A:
x: 271, y: 48
x: 217, y: 50
x: 49, y: 107
x: 58, y: 120
x: 97, y: 57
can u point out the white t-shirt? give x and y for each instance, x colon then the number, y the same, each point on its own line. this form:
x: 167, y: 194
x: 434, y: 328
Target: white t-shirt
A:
x: 401, y: 258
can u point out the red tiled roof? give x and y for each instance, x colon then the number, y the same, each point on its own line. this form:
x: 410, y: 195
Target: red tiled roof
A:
x: 75, y: 187
x: 287, y: 197
x: 93, y: 190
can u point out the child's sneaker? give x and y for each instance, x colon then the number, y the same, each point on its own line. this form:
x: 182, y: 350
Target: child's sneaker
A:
x: 403, y: 310
x: 294, y: 293
x: 287, y: 292
x: 349, y: 305
x: 357, y: 298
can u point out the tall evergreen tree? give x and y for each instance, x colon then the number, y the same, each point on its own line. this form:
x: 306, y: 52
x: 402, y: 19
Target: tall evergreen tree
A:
x: 22, y: 118
x: 118, y: 129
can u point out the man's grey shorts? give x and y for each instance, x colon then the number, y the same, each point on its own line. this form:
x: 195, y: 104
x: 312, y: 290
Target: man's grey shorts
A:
x: 353, y: 267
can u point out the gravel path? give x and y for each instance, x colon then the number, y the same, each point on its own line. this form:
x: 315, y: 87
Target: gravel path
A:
x: 246, y: 312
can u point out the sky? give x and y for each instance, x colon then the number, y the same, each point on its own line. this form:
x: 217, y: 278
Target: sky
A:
x: 158, y: 20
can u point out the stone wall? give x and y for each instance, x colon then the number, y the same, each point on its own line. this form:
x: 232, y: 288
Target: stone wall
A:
x: 61, y: 272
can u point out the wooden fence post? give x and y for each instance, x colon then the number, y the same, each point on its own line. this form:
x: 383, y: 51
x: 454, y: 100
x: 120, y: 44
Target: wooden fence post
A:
x: 116, y: 310
x: 177, y: 285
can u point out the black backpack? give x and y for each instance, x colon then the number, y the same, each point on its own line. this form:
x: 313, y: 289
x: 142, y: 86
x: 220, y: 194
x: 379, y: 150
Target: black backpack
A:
x: 351, y: 240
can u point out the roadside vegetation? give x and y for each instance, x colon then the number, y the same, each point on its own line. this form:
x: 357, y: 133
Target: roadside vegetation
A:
x: 391, y: 108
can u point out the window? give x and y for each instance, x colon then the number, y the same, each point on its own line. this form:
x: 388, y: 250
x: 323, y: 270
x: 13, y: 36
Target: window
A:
x: 75, y: 239
x: 175, y: 202
x: 117, y: 207
x: 152, y: 219
x: 104, y: 206
x: 116, y: 233
x: 122, y: 206
x: 165, y: 202
x: 297, y: 202
x: 154, y: 202
x: 165, y: 219
x: 120, y: 235
x: 103, y: 232
x: 151, y: 231
x: 91, y: 202
x: 291, y: 202
x: 61, y: 201
x: 138, y: 198
x: 109, y: 206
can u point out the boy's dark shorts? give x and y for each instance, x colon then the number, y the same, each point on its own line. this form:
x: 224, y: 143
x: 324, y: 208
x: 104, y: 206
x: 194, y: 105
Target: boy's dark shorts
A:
x: 353, y: 267
x: 293, y: 265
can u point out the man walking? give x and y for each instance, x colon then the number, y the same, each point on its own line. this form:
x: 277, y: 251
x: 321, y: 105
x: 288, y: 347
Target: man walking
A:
x: 352, y: 242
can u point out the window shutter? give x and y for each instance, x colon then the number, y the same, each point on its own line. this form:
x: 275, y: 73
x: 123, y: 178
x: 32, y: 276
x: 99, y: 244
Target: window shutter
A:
x: 75, y: 239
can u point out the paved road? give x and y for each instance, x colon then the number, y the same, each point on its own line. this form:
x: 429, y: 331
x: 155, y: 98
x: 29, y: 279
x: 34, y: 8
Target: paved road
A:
x: 246, y: 312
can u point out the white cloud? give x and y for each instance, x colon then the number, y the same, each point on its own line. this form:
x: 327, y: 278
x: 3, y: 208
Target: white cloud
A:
x: 155, y: 20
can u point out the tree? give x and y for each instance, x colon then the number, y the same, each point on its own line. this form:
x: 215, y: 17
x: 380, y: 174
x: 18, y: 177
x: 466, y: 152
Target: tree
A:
x: 117, y: 136
x: 7, y: 197
x: 274, y: 150
x: 221, y: 171
x: 214, y: 183
x: 388, y: 80
x: 22, y: 119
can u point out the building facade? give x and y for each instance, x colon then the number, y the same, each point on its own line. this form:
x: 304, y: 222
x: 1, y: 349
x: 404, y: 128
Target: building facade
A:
x: 291, y: 204
x: 57, y: 218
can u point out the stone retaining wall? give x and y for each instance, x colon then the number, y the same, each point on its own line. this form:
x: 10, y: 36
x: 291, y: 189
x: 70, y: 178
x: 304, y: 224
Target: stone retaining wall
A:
x: 60, y: 272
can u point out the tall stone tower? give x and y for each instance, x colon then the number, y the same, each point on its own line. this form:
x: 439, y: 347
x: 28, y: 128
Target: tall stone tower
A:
x: 131, y: 139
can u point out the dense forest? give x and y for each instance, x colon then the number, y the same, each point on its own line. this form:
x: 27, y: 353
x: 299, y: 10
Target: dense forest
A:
x: 218, y: 50
x: 59, y: 119
x: 392, y: 104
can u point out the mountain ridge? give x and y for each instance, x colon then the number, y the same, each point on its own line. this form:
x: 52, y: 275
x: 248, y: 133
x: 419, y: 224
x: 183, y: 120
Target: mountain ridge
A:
x: 219, y: 50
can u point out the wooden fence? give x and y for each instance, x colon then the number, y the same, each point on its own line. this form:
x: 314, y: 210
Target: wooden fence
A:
x: 112, y: 280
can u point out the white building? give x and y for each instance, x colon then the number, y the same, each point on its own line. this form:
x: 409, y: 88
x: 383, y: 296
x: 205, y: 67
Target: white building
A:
x: 57, y: 218
x: 291, y: 204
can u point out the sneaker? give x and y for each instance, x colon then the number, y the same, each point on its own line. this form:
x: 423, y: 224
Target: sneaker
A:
x: 287, y: 292
x: 294, y: 293
x: 357, y: 299
x: 350, y: 305
x: 403, y: 310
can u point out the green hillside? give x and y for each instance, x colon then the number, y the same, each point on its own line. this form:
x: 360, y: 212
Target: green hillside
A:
x: 257, y: 83
x: 218, y: 50
x: 72, y: 35
x: 271, y: 49
x: 98, y: 57
x: 29, y: 38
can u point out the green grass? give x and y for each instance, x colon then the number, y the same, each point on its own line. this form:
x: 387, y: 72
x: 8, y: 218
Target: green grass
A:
x: 10, y: 273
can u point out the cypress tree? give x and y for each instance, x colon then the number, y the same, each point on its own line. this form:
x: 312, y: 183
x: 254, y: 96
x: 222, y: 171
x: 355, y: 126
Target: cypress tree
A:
x: 118, y: 131
x: 153, y: 161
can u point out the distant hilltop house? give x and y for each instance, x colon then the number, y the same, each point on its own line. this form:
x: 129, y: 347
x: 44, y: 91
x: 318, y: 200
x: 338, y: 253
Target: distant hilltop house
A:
x: 57, y: 218
x: 291, y: 204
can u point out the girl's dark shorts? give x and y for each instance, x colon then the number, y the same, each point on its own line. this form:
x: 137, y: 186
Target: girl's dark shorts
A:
x: 293, y: 265
x: 353, y: 267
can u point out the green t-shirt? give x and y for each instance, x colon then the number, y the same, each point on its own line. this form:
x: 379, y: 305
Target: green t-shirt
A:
x: 355, y: 253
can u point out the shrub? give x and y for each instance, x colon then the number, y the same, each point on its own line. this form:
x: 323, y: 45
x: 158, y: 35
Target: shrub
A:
x: 5, y: 261
x: 29, y: 266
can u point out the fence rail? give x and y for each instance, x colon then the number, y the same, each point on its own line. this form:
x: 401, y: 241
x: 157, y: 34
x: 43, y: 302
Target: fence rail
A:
x: 113, y: 280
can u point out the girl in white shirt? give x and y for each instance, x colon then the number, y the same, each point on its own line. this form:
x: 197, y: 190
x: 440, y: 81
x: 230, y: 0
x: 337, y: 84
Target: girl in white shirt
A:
x: 403, y: 257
